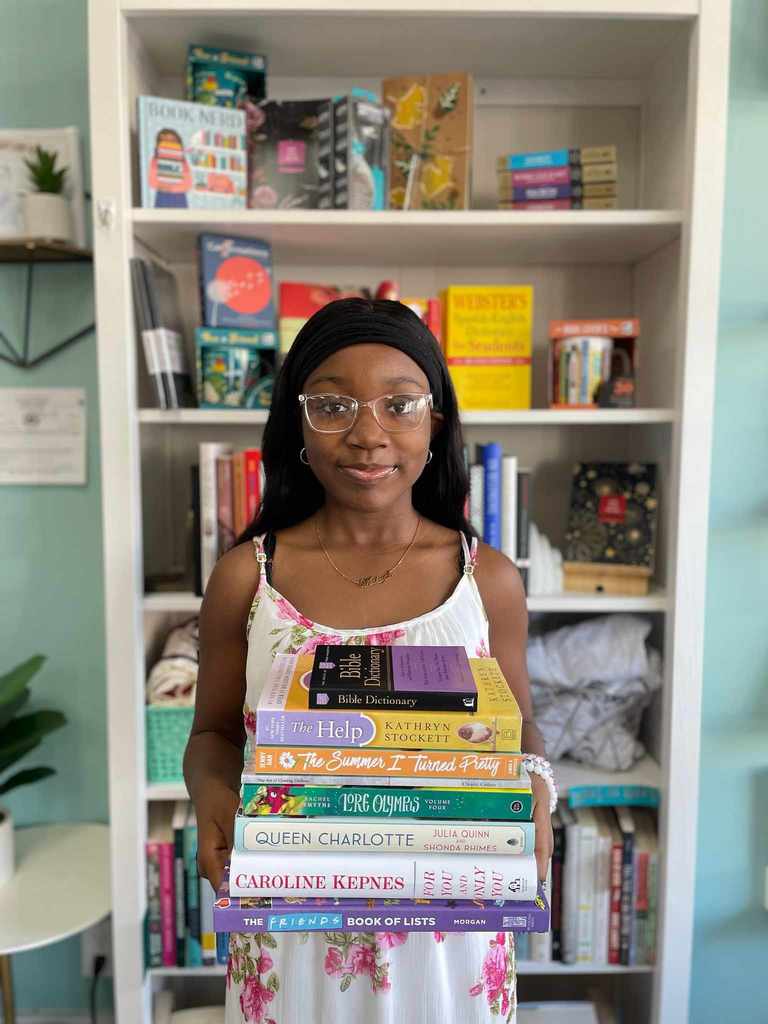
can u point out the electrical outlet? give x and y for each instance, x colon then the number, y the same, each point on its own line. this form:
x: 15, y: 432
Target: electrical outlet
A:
x: 97, y: 941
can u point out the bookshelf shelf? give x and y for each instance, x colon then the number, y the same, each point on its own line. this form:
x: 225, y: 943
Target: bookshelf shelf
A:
x: 447, y: 238
x: 650, y: 76
x: 511, y: 417
x: 656, y: 601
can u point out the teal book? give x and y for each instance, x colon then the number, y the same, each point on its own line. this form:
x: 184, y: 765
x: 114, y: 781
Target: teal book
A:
x: 387, y: 802
x: 613, y: 796
x: 193, y: 953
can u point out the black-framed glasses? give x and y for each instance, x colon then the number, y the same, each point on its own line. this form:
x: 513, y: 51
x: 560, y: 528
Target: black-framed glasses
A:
x: 333, y: 414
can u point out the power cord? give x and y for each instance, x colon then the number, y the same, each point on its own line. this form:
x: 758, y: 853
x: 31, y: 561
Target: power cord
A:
x: 99, y: 963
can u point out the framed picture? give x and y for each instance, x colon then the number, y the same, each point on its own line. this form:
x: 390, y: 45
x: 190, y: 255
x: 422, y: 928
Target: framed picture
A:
x: 18, y: 145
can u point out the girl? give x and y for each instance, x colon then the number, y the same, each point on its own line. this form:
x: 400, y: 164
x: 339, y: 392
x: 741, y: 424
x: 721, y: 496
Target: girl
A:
x: 169, y: 171
x: 361, y: 538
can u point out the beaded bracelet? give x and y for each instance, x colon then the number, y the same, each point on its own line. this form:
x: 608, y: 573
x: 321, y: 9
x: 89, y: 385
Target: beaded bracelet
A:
x: 541, y: 766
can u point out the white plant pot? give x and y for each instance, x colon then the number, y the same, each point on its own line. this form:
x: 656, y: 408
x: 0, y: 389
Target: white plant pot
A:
x: 7, y: 862
x: 47, y: 215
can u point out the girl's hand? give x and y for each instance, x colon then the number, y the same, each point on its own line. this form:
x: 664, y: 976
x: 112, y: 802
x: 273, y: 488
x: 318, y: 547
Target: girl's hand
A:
x: 544, y: 839
x: 215, y: 811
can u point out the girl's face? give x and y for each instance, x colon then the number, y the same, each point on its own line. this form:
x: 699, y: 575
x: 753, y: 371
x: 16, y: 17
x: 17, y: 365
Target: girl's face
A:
x: 366, y: 466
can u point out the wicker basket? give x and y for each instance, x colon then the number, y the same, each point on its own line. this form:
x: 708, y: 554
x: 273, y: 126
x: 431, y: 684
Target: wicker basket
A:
x: 168, y: 730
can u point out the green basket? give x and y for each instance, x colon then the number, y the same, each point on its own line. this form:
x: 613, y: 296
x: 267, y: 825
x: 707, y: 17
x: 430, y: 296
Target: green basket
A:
x: 168, y: 730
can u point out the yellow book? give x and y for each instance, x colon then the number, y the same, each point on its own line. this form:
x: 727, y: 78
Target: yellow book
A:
x: 284, y: 717
x: 488, y: 342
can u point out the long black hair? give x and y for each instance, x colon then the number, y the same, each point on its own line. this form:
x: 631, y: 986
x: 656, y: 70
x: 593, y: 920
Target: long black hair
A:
x: 292, y: 492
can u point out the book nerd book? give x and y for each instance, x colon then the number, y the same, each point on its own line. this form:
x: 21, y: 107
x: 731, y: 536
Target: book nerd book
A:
x: 191, y: 156
x: 402, y: 678
x: 284, y: 716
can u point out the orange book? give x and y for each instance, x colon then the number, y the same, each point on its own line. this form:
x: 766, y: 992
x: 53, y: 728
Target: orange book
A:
x: 252, y: 483
x: 608, y: 328
x: 441, y: 768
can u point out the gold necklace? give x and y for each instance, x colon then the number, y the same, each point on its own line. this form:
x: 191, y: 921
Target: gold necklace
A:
x: 368, y: 581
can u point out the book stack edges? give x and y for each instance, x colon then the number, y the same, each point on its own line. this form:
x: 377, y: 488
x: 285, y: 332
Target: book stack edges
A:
x: 559, y: 179
x: 384, y: 784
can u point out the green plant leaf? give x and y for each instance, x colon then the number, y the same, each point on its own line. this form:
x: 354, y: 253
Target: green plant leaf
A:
x: 20, y: 732
x: 9, y: 709
x: 7, y: 759
x: 15, y: 681
x: 25, y: 778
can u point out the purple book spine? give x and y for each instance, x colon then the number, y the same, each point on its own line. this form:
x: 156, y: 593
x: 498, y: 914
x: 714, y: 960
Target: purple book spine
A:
x: 537, y: 192
x: 357, y: 916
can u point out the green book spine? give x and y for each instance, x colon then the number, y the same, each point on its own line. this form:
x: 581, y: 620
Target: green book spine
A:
x: 386, y: 802
x: 193, y: 949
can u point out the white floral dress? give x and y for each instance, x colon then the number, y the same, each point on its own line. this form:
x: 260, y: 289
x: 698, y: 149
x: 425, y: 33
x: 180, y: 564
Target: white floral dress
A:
x: 370, y: 977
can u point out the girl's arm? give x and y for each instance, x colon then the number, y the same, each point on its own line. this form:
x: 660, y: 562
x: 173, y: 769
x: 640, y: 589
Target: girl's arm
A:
x: 213, y: 759
x: 505, y: 605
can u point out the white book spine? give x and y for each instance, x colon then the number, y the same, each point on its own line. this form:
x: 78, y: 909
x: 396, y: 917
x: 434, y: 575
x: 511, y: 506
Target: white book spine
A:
x: 509, y: 506
x: 374, y: 835
x: 207, y: 934
x: 476, y: 487
x: 540, y: 943
x: 586, y: 894
x: 522, y: 783
x: 570, y: 903
x: 602, y: 898
x: 384, y: 876
x: 209, y: 546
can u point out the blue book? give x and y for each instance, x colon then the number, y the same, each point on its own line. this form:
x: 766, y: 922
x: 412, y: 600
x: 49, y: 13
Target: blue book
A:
x: 222, y: 947
x: 547, y: 158
x: 613, y: 796
x: 193, y: 952
x: 492, y: 456
x: 191, y: 156
x: 236, y: 286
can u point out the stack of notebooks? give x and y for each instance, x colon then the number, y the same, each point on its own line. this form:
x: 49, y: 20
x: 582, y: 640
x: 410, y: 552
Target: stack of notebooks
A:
x: 559, y: 179
x: 384, y: 789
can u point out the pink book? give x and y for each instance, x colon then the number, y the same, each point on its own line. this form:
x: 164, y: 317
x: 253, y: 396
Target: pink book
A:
x: 252, y: 482
x: 167, y: 904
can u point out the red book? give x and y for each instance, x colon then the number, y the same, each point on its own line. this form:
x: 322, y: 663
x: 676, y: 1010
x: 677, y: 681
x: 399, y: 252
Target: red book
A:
x: 614, y: 918
x: 252, y: 483
x: 435, y: 319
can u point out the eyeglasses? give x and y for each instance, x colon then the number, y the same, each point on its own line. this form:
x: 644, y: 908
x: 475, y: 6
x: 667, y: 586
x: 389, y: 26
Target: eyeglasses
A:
x: 333, y: 414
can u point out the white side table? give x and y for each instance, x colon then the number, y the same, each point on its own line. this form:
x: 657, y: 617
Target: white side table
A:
x: 61, y: 887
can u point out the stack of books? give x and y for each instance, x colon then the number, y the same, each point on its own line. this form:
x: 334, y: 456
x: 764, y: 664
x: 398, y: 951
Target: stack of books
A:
x: 559, y: 179
x: 384, y: 789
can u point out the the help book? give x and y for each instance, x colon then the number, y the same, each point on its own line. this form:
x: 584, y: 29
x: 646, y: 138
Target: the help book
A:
x: 362, y: 677
x: 265, y: 914
x: 284, y: 716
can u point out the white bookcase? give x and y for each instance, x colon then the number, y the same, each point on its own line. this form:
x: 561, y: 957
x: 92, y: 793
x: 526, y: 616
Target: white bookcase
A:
x: 650, y: 75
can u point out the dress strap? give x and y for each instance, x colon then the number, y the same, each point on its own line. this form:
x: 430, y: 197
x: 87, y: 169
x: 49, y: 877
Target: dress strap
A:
x: 470, y: 554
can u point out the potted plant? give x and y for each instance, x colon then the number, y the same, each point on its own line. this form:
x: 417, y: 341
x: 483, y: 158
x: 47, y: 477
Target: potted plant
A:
x: 46, y: 208
x: 19, y: 735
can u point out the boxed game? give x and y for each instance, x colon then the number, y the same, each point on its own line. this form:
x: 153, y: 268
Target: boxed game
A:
x: 285, y: 166
x: 223, y: 78
x: 431, y: 119
x: 236, y: 288
x: 235, y: 369
x: 191, y: 155
x: 360, y: 152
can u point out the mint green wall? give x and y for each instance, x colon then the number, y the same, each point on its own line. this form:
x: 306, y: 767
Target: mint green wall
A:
x: 51, y: 591
x: 731, y: 926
